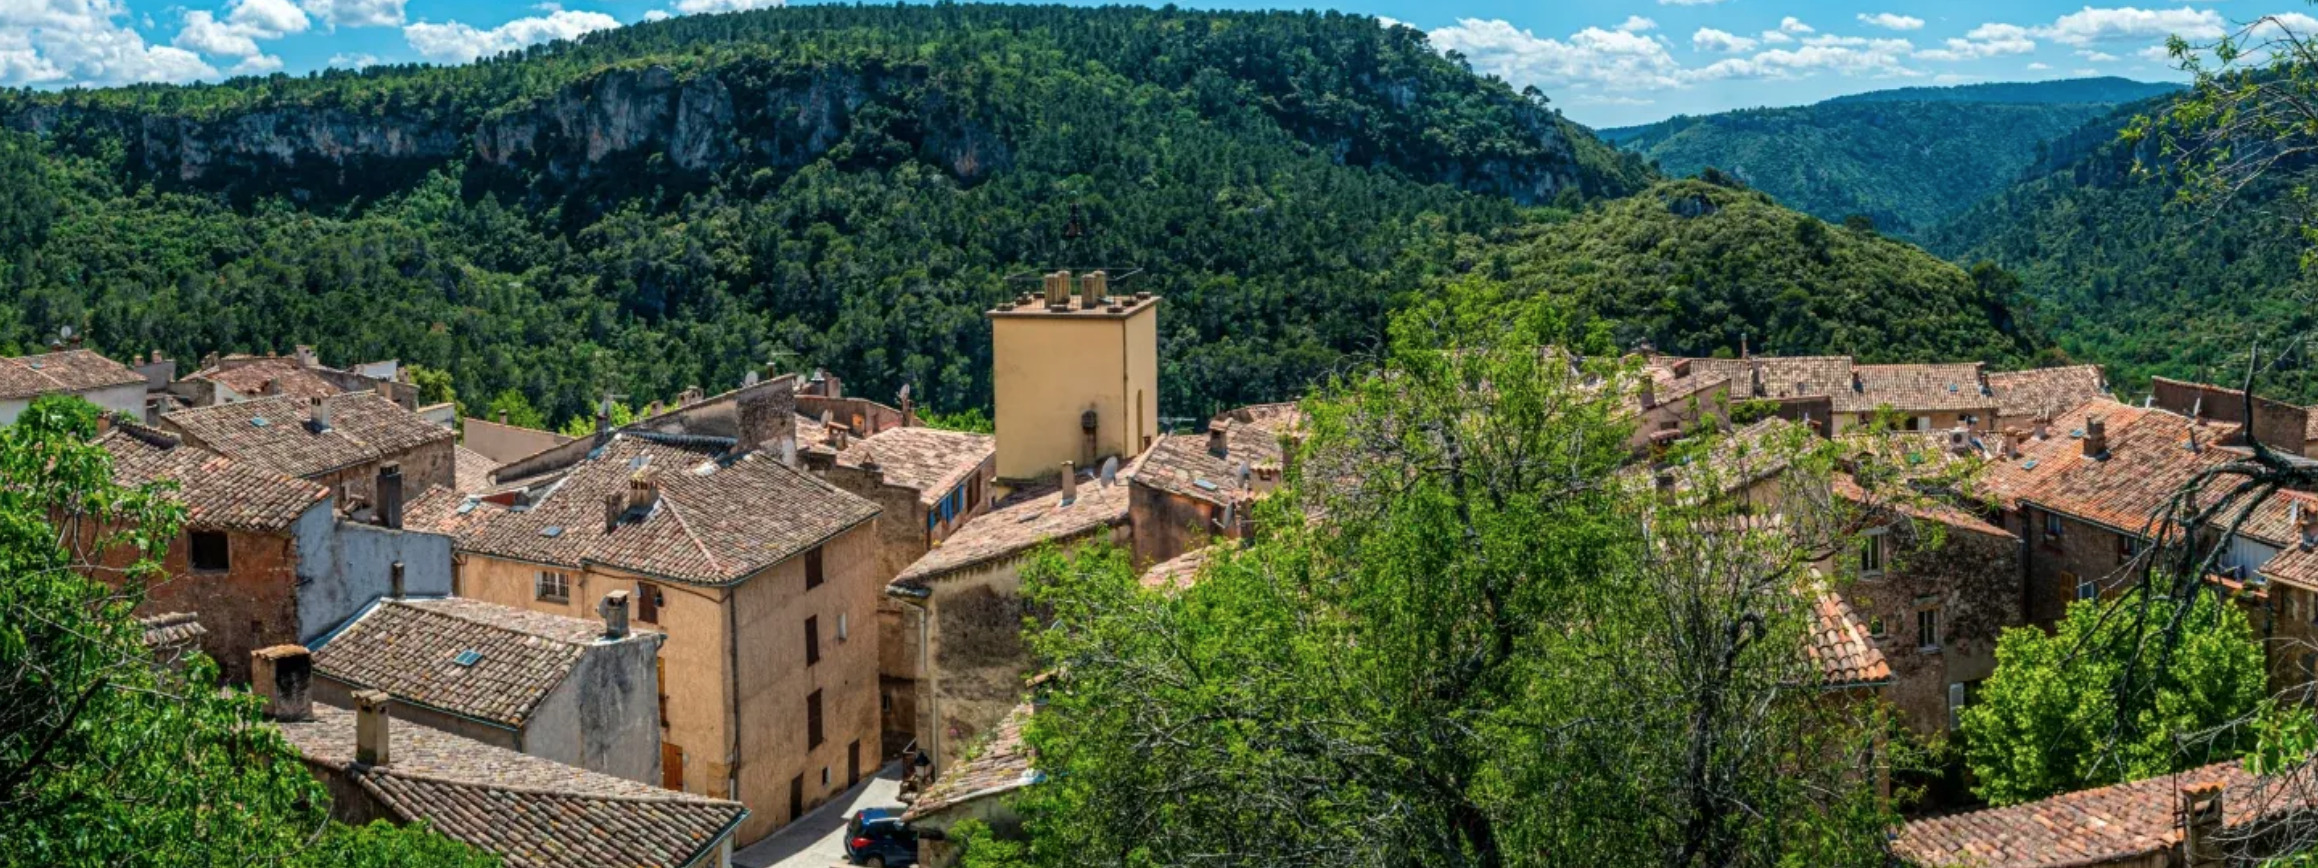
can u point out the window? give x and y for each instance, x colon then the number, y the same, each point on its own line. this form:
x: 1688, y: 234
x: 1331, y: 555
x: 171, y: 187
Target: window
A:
x: 813, y: 719
x: 1875, y: 627
x: 841, y: 631
x: 813, y: 569
x: 1928, y: 628
x: 1871, y: 554
x: 853, y: 763
x: 824, y: 777
x: 1956, y: 694
x: 209, y: 552
x: 2087, y: 589
x: 2052, y: 526
x: 648, y: 602
x: 671, y: 766
x: 551, y: 585
x: 660, y: 670
x: 796, y: 798
x: 812, y: 640
x: 974, y: 490
x: 2128, y: 548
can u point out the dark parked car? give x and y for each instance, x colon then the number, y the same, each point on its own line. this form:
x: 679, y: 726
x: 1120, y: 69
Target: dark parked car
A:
x: 877, y: 837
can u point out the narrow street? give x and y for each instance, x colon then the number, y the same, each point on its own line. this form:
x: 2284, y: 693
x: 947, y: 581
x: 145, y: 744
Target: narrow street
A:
x: 818, y: 840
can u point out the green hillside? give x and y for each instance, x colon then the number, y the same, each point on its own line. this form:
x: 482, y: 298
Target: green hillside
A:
x: 1696, y: 268
x: 2105, y: 89
x: 1906, y: 165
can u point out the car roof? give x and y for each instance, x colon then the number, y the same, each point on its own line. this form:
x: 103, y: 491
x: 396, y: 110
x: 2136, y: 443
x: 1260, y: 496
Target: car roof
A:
x: 871, y: 815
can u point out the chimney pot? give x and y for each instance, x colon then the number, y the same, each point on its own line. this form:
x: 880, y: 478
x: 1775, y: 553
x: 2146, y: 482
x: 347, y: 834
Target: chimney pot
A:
x: 371, y: 746
x: 282, y: 674
x: 615, y: 503
x: 643, y: 489
x: 2096, y: 437
x: 390, y: 496
x: 502, y: 416
x: 394, y: 577
x: 1092, y: 287
x: 614, y: 608
x: 2201, y: 824
x: 1070, y: 482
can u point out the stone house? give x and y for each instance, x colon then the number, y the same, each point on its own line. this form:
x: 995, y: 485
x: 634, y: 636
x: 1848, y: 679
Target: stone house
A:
x: 763, y: 577
x: 1838, y: 395
x: 967, y: 599
x: 101, y: 381
x: 929, y: 484
x: 374, y: 456
x: 2023, y: 397
x: 2205, y: 817
x: 2277, y: 424
x: 981, y: 788
x: 1191, y: 489
x: 262, y: 559
x: 580, y: 692
x: 529, y: 811
x: 228, y: 379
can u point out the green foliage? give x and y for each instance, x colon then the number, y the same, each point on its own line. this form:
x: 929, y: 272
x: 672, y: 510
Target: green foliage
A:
x: 2050, y: 720
x: 515, y: 409
x: 971, y: 420
x: 581, y: 426
x: 108, y: 757
x: 1905, y: 165
x: 385, y: 845
x: 977, y: 848
x: 1694, y: 267
x: 1492, y: 653
x: 435, y: 385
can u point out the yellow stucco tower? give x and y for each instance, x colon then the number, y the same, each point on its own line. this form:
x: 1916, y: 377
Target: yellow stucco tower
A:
x: 1076, y: 376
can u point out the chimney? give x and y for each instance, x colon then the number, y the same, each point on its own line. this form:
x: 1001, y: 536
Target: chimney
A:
x: 104, y: 423
x: 1218, y: 439
x: 909, y: 415
x: 210, y: 360
x: 2096, y: 437
x: 281, y: 674
x: 1092, y: 287
x: 614, y: 608
x: 604, y: 415
x: 1857, y: 384
x: 157, y: 357
x: 503, y: 416
x: 394, y: 585
x: 390, y: 496
x: 2043, y: 427
x: 643, y: 490
x: 2306, y: 523
x: 305, y: 355
x: 370, y: 725
x: 615, y: 504
x: 1058, y: 290
x: 1070, y: 483
x: 2201, y: 817
x: 1649, y: 392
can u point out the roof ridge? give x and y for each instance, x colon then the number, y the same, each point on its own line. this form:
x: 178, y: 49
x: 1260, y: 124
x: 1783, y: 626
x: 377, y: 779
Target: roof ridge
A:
x: 686, y: 526
x: 460, y: 616
x: 671, y: 797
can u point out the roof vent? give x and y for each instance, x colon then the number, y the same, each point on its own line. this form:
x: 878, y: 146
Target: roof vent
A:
x: 259, y: 422
x: 468, y: 657
x: 551, y: 531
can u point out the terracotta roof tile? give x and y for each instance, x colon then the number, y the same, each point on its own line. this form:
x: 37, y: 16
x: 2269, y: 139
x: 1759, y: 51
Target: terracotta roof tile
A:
x: 2296, y: 565
x: 719, y: 518
x: 1927, y: 510
x: 1021, y: 526
x: 412, y: 650
x: 929, y: 460
x: 250, y: 378
x: 471, y: 470
x: 218, y: 492
x: 274, y: 433
x: 2045, y: 390
x: 61, y: 372
x: 173, y: 630
x: 1953, y: 387
x: 1000, y: 765
x: 2095, y: 826
x: 1177, y: 573
x: 534, y: 813
x: 2148, y: 459
x: 1842, y: 647
x: 1189, y: 464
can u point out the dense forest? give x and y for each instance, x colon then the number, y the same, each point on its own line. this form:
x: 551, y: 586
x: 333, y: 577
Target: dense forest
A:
x: 676, y: 203
x: 1906, y: 159
x: 2118, y: 271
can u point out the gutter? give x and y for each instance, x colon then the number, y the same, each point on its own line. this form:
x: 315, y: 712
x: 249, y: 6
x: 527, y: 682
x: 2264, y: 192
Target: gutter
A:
x: 721, y: 835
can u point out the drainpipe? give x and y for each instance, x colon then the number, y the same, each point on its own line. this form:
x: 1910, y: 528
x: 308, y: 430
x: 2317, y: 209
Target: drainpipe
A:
x: 930, y: 741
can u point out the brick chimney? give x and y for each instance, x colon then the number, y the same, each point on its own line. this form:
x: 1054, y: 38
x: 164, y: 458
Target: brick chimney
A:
x: 2201, y: 819
x: 281, y: 674
x: 1070, y: 483
x: 2305, y: 521
x: 390, y: 496
x: 643, y: 489
x: 371, y: 746
x: 2096, y: 437
x: 614, y: 608
x: 1093, y: 286
x: 615, y: 505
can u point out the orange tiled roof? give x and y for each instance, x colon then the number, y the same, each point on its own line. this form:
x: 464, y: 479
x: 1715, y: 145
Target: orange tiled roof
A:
x: 411, y: 648
x: 250, y: 378
x: 1842, y: 647
x: 2046, y: 390
x: 1002, y: 765
x: 471, y: 470
x: 1189, y: 465
x: 2095, y: 826
x: 1951, y: 387
x: 1928, y: 510
x: 63, y: 371
x: 533, y: 812
x: 1021, y: 526
x: 219, y: 492
x: 275, y: 432
x: 1177, y: 573
x: 930, y: 461
x: 719, y: 520
x: 2148, y: 459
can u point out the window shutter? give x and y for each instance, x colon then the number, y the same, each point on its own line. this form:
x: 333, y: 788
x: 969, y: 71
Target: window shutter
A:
x: 1955, y: 703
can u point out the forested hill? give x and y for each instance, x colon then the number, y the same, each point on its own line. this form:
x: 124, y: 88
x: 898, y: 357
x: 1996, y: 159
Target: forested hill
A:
x: 1700, y: 269
x: 1907, y: 159
x: 673, y: 203
x: 2119, y: 273
x: 676, y: 203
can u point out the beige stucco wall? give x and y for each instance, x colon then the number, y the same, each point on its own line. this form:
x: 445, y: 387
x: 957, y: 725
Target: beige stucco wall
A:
x: 1047, y: 369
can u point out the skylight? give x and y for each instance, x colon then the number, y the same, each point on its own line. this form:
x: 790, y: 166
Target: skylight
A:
x: 551, y: 531
x: 468, y: 657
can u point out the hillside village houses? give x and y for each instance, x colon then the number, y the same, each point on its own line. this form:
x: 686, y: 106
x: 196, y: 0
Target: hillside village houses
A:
x: 727, y: 612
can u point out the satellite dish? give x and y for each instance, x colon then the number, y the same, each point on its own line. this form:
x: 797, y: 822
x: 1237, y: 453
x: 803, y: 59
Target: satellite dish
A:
x: 1242, y: 472
x: 64, y: 332
x: 827, y: 418
x: 905, y: 391
x: 749, y: 380
x: 1110, y: 470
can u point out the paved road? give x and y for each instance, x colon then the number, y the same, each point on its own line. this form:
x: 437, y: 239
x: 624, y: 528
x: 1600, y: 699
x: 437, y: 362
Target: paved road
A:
x: 818, y: 840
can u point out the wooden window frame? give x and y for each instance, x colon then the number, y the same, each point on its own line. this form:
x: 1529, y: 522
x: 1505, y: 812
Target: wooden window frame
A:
x: 194, y: 546
x: 649, y: 601
x: 540, y: 582
x: 813, y: 734
x: 812, y: 640
x: 816, y: 571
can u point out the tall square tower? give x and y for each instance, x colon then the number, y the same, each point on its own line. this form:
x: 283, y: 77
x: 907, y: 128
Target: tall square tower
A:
x: 1076, y: 376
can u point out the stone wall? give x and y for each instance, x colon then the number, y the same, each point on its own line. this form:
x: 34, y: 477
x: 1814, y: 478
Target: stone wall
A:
x: 2055, y: 565
x: 1973, y: 578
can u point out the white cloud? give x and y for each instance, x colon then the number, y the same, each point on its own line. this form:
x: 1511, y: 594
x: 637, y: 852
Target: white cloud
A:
x: 663, y: 15
x: 2127, y: 24
x: 1600, y: 99
x: 2155, y: 54
x: 701, y: 7
x: 246, y: 21
x: 1986, y: 40
x: 1775, y: 37
x: 1889, y: 21
x: 1637, y: 24
x: 84, y: 42
x: 1791, y: 24
x: 205, y: 34
x: 455, y: 42
x: 2086, y: 70
x: 2096, y: 56
x: 256, y: 64
x: 1593, y: 57
x: 1842, y: 55
x: 2038, y: 67
x: 1710, y: 39
x: 353, y: 61
x: 268, y: 19
x: 356, y: 13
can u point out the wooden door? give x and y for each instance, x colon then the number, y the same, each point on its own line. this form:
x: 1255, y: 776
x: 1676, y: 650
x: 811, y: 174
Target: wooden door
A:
x: 671, y: 766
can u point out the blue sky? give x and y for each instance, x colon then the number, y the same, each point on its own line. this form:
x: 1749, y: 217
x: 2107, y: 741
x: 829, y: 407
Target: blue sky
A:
x: 1604, y: 62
